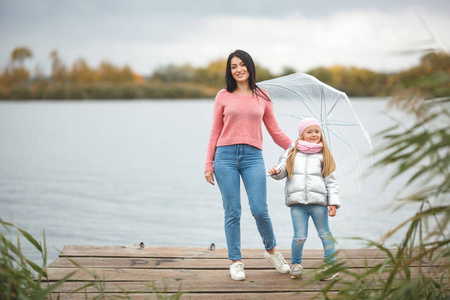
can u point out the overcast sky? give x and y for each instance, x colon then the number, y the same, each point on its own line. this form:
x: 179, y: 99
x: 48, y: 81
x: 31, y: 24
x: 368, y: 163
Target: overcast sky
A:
x: 277, y: 33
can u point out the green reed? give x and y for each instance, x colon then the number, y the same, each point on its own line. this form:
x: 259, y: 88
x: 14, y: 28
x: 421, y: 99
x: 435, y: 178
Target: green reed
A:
x: 21, y: 278
x: 418, y: 267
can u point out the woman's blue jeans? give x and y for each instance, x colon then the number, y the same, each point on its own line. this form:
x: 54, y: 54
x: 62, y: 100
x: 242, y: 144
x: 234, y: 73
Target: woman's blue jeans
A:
x: 300, y: 214
x: 231, y: 163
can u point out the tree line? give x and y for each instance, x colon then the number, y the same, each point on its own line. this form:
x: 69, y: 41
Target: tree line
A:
x: 108, y: 81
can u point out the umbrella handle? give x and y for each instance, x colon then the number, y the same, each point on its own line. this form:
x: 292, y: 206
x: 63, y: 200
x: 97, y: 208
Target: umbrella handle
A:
x: 277, y: 167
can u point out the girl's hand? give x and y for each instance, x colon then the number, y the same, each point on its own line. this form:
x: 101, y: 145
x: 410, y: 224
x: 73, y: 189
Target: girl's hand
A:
x: 332, y: 210
x: 209, y: 176
x: 274, y: 170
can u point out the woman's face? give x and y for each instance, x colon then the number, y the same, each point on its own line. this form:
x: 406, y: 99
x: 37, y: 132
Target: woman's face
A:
x: 239, y: 70
x: 312, y: 134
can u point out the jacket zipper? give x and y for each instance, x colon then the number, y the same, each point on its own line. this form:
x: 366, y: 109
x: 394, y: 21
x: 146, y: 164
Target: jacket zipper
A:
x: 306, y: 176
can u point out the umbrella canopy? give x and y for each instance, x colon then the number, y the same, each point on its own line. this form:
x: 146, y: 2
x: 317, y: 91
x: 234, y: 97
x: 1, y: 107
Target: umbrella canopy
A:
x: 299, y: 96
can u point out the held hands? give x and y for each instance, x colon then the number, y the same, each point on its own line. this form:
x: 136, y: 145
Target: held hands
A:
x: 209, y: 176
x: 332, y: 210
x: 273, y: 171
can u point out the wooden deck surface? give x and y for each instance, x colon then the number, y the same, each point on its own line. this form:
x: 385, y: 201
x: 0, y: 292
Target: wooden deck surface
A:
x: 201, y: 273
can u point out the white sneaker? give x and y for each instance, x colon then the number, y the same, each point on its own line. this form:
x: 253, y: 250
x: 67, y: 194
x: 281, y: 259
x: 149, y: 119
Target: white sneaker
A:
x: 237, y: 271
x: 278, y: 261
x: 296, y: 271
x: 328, y: 276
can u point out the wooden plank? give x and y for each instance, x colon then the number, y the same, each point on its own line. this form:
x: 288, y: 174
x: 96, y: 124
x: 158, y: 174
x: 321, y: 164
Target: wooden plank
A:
x: 191, y: 252
x: 200, y: 296
x: 202, y: 273
x: 189, y: 280
x: 190, y: 263
x: 194, y: 277
x: 299, y: 286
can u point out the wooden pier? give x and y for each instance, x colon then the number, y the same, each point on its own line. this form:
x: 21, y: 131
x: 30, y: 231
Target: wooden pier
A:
x: 198, y: 272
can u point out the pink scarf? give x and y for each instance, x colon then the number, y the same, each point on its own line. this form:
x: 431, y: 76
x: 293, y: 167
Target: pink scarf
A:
x: 308, y: 147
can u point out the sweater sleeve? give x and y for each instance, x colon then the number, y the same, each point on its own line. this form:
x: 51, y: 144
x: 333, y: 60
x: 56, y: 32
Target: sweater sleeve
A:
x: 278, y: 136
x: 216, y: 130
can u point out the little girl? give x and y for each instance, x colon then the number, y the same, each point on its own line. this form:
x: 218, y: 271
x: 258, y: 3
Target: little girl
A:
x: 311, y: 190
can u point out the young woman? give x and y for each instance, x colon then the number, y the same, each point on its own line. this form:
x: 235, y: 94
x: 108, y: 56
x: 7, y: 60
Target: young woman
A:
x: 234, y: 151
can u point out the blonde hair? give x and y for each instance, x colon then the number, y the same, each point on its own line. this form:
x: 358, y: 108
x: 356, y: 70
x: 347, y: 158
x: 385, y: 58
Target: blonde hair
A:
x: 329, y: 165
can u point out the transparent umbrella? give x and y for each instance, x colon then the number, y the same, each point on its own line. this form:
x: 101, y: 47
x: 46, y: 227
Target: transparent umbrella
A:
x: 299, y: 96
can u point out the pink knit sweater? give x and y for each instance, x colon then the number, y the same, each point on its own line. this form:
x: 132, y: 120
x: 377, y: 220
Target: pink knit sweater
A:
x: 237, y: 120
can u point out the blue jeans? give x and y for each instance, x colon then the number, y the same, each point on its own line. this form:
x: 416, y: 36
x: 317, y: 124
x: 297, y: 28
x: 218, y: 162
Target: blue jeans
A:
x: 300, y: 214
x: 231, y: 163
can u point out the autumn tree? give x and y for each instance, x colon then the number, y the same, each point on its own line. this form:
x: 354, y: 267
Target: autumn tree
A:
x: 417, y: 80
x: 59, y: 70
x: 287, y: 71
x: 172, y: 73
x: 351, y: 80
x: 262, y: 73
x: 20, y: 75
x: 20, y: 54
x: 16, y: 73
x: 323, y: 74
x: 6, y: 78
x: 40, y: 83
x: 81, y: 73
x: 109, y: 73
x: 213, y: 75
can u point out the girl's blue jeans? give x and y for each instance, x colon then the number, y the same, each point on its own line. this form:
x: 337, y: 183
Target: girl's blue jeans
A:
x: 231, y: 163
x: 300, y: 214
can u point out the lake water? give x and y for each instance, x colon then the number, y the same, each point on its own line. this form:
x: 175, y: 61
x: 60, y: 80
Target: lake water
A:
x: 122, y: 172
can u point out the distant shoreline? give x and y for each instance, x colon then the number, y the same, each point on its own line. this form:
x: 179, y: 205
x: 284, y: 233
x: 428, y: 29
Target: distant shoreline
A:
x: 375, y: 98
x: 182, y: 82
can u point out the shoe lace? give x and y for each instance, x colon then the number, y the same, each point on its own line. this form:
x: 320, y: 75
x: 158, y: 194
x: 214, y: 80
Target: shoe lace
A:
x: 280, y: 259
x: 239, y: 268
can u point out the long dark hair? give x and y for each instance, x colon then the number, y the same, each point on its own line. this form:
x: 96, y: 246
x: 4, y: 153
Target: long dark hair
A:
x: 248, y: 61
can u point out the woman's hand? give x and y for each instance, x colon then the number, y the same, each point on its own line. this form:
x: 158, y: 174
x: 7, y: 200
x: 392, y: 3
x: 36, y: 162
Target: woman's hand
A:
x: 274, y: 170
x: 209, y: 176
x: 332, y: 210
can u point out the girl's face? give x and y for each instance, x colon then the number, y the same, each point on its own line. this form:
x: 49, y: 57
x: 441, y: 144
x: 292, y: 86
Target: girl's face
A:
x: 312, y: 134
x: 239, y: 70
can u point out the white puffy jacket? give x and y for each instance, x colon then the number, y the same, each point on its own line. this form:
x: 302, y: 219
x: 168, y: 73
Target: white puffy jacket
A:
x: 307, y: 185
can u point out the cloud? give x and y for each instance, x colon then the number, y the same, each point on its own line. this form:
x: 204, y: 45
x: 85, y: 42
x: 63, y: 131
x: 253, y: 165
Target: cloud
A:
x: 369, y: 39
x: 286, y: 33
